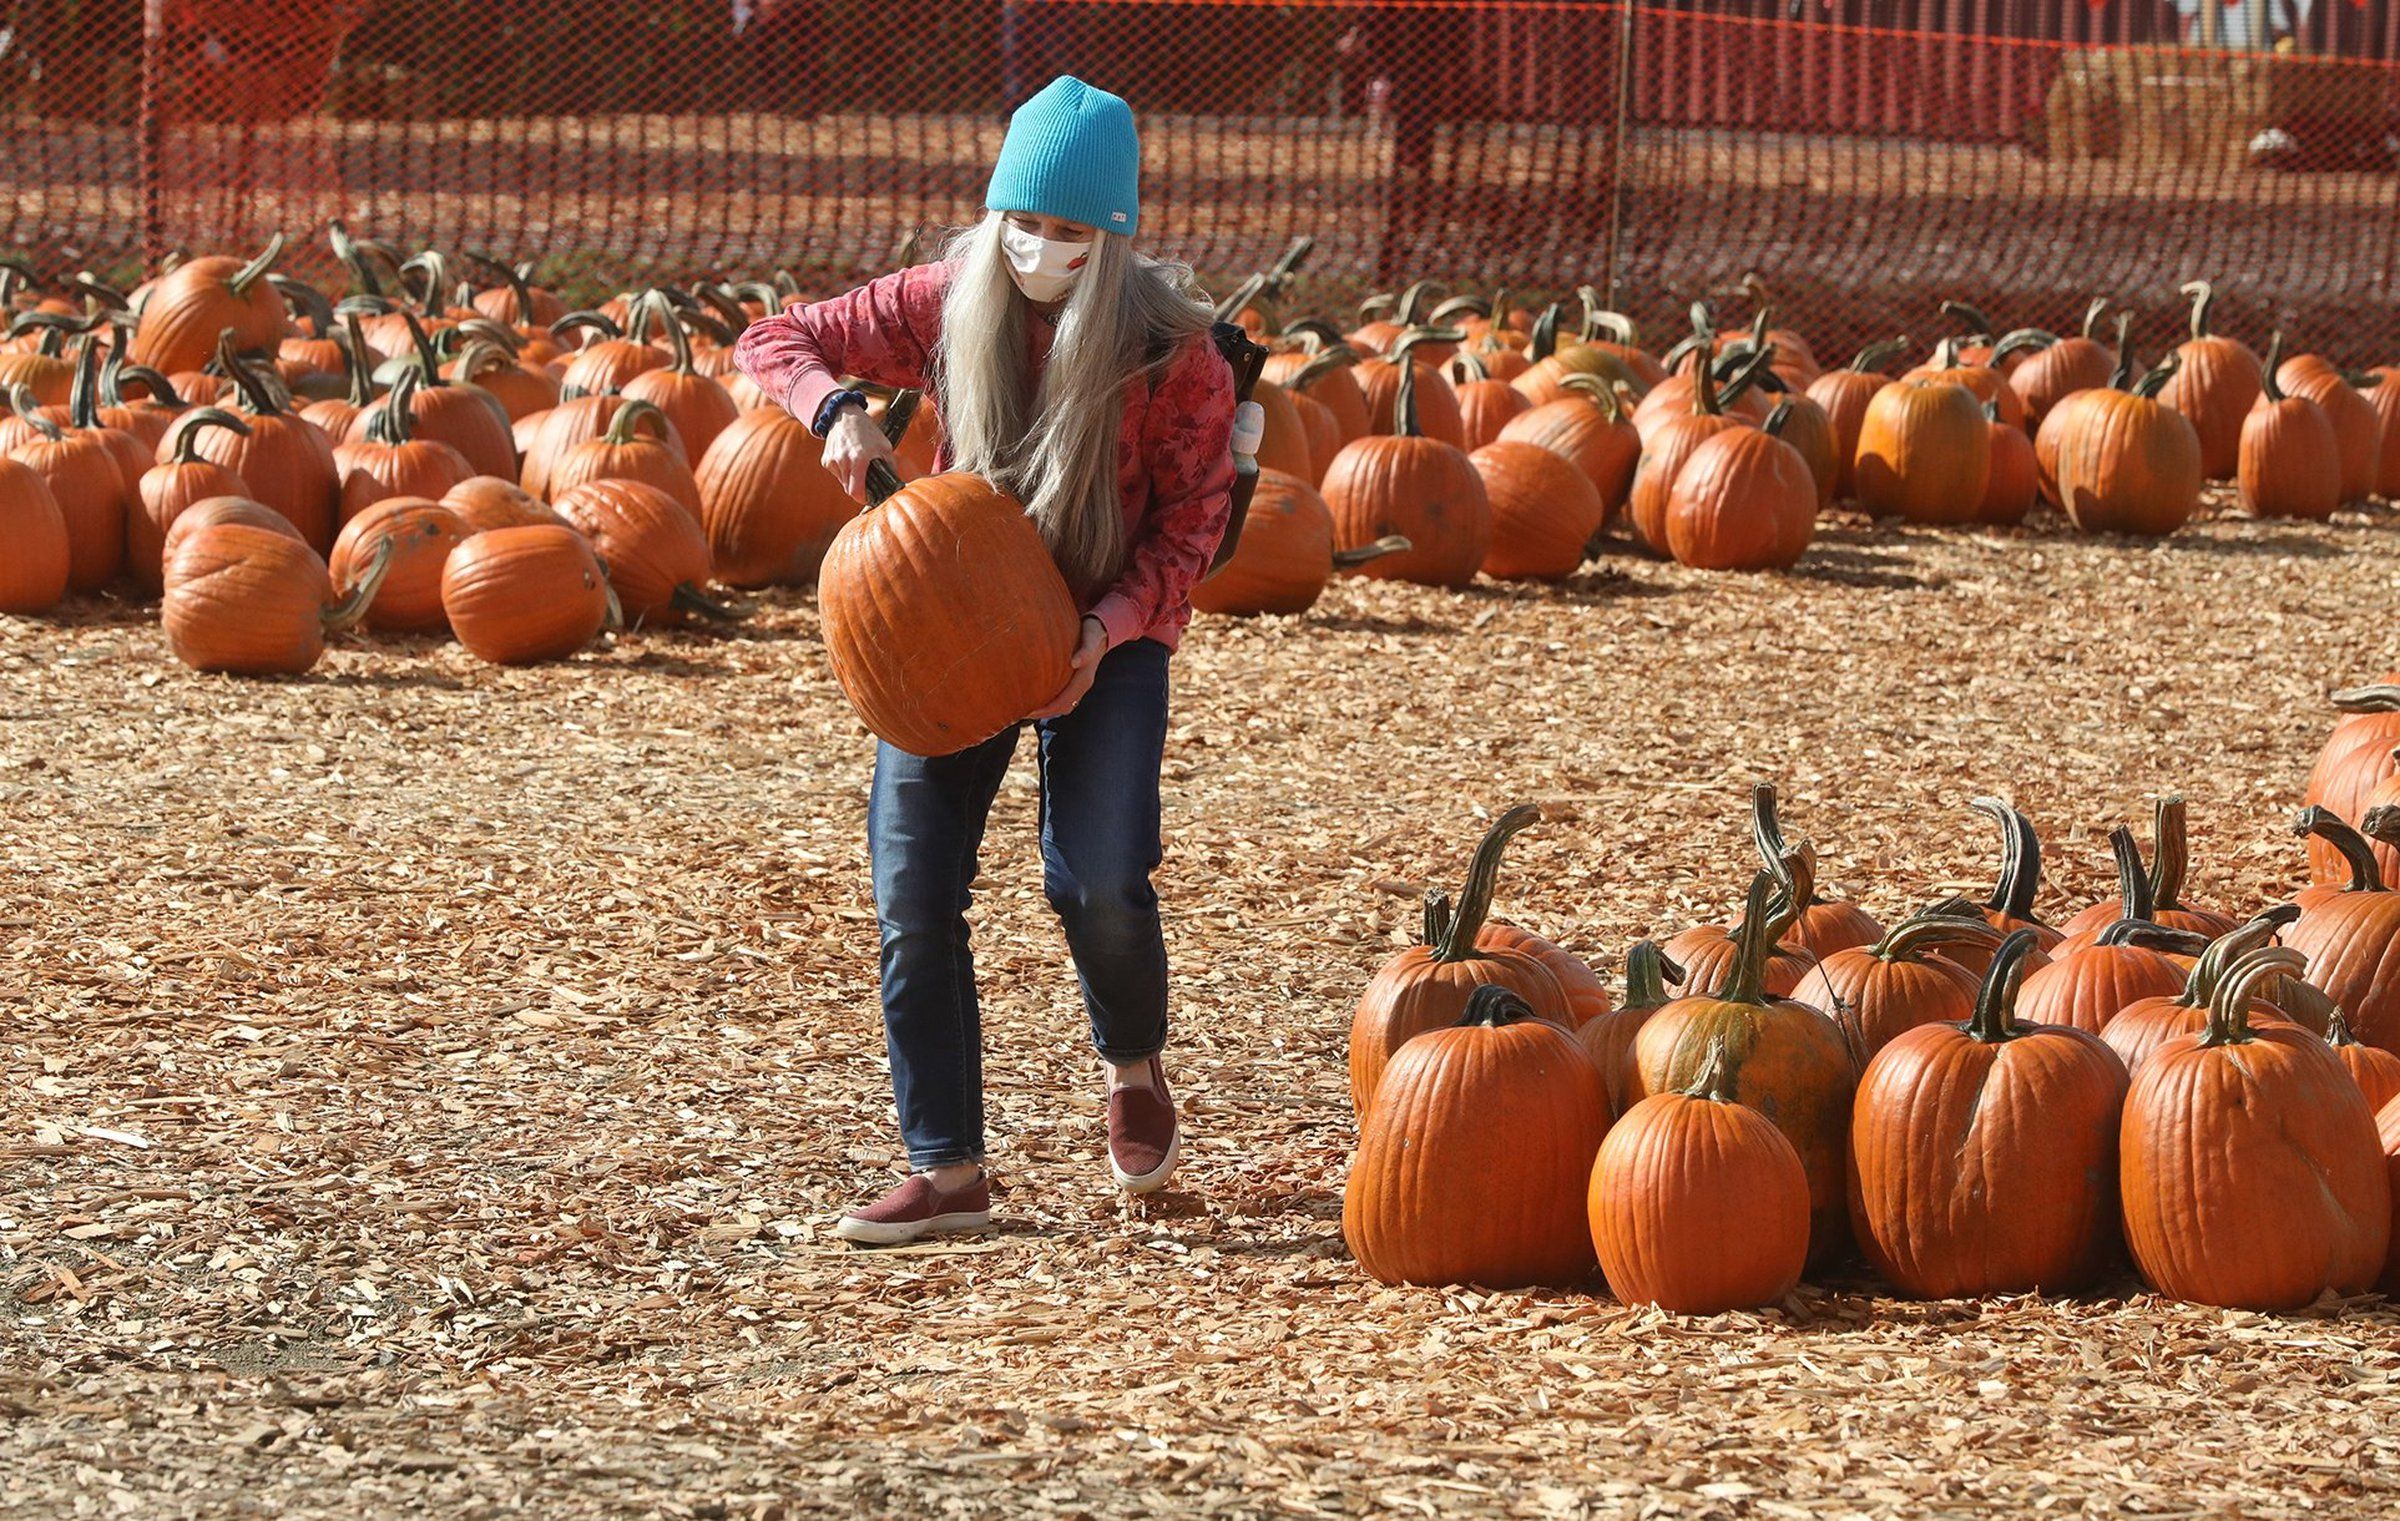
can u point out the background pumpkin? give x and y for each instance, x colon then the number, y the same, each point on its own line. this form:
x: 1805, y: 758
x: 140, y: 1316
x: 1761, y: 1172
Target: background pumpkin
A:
x: 254, y: 602
x: 1543, y: 512
x: 33, y: 575
x: 1412, y: 487
x: 411, y: 537
x: 526, y: 593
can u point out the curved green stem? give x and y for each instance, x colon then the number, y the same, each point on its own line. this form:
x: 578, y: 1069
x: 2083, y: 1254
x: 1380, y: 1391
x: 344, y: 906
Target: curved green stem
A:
x: 1871, y: 359
x: 689, y: 598
x: 354, y: 360
x: 623, y: 428
x: 28, y: 410
x: 83, y: 396
x: 898, y: 414
x: 188, y: 429
x: 1995, y: 1016
x: 1920, y: 933
x: 2031, y: 339
x: 1715, y: 1079
x: 1972, y: 322
x: 257, y: 394
x: 2133, y: 878
x: 394, y: 422
x: 2366, y: 872
x: 2274, y: 362
x: 305, y: 300
x: 2121, y: 378
x: 1404, y: 404
x: 1648, y: 970
x: 353, y: 258
x: 2171, y: 855
x: 1389, y: 544
x: 350, y: 609
x: 1483, y: 874
x: 162, y: 390
x: 1753, y: 943
x: 2153, y: 937
x: 1544, y: 342
x: 2201, y: 985
x: 2091, y: 316
x: 2371, y: 699
x: 586, y: 321
x: 2229, y: 1008
x: 2020, y: 860
x: 2382, y: 825
x: 2203, y: 295
x: 2156, y: 380
x: 250, y: 273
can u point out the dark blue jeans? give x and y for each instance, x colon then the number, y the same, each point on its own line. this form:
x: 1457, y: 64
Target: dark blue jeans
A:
x: 1100, y: 842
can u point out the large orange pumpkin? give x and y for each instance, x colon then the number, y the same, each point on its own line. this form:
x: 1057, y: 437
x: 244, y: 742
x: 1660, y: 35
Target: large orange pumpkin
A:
x: 639, y: 444
x: 33, y: 574
x: 191, y: 307
x: 284, y: 461
x: 255, y: 602
x: 1877, y: 993
x: 1984, y: 1153
x: 2360, y: 756
x: 2059, y: 369
x: 2142, y: 1027
x: 1845, y: 395
x: 1474, y: 1161
x: 945, y: 618
x: 2352, y: 942
x: 524, y: 594
x: 1924, y: 449
x: 656, y: 555
x: 698, y: 405
x: 90, y: 489
x: 769, y: 505
x: 1744, y: 500
x: 1587, y: 427
x: 1666, y: 449
x: 1285, y: 556
x: 2215, y: 383
x: 1698, y: 1203
x: 1414, y: 487
x: 2357, y: 432
x: 412, y: 537
x: 485, y: 502
x: 388, y: 459
x: 166, y: 489
x: 1543, y: 512
x: 2290, y: 463
x: 2252, y: 1174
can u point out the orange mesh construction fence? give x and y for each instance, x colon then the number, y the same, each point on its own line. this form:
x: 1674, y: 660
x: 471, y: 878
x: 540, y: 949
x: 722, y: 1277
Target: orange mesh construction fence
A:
x: 1864, y: 157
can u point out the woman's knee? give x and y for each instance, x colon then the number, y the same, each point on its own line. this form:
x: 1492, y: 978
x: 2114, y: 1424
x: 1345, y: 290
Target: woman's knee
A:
x: 1106, y: 905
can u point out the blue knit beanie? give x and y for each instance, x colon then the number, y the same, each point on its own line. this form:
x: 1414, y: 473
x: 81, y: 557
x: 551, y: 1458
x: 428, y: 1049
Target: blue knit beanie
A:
x: 1072, y: 152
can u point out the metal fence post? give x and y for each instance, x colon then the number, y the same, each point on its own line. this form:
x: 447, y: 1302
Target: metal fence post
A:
x: 1616, y: 147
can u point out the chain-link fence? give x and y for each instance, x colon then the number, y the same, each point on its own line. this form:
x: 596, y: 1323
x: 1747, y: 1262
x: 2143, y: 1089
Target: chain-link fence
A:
x: 1864, y: 157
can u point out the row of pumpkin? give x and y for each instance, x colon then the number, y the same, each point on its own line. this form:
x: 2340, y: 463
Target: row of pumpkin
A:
x: 1982, y: 1103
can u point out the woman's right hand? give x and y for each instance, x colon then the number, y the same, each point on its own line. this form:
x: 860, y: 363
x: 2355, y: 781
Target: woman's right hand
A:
x: 853, y: 443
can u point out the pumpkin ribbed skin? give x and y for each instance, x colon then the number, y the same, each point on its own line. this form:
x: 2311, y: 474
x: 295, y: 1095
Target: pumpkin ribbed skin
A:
x: 1285, y: 444
x: 1844, y: 396
x: 192, y: 305
x: 767, y: 502
x: 2127, y: 464
x: 210, y: 511
x: 422, y: 533
x: 1587, y: 434
x: 1744, y: 500
x: 2215, y: 384
x: 564, y: 427
x: 1664, y: 455
x: 2357, y: 433
x: 697, y: 405
x: 1420, y: 489
x: 1698, y: 1205
x: 466, y: 417
x: 376, y: 468
x: 1335, y: 389
x: 1984, y: 1153
x: 1437, y: 405
x: 2055, y: 373
x: 524, y: 594
x: 33, y: 574
x: 2289, y: 464
x: 945, y: 619
x: 654, y: 550
x: 161, y: 495
x: 1475, y: 1158
x: 2352, y: 942
x: 2383, y: 395
x: 485, y: 502
x: 1706, y: 953
x: 2087, y: 989
x: 2011, y: 478
x: 639, y: 444
x: 284, y: 463
x: 1608, y: 1040
x: 1485, y: 407
x: 1924, y: 449
x: 2359, y: 757
x: 84, y: 479
x: 1284, y: 558
x: 1877, y: 993
x: 1543, y: 512
x: 245, y: 600
x: 1586, y: 995
x: 2375, y: 1070
x: 2252, y: 1174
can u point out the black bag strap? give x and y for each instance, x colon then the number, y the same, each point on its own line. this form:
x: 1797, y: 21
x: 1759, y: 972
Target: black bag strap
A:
x: 1248, y: 361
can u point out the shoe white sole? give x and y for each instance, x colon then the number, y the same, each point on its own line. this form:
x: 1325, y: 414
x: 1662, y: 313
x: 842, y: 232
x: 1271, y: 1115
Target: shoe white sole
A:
x: 901, y: 1232
x: 1152, y: 1181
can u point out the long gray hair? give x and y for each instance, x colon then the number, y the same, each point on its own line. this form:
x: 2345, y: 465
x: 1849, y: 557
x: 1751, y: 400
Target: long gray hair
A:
x: 1055, y: 447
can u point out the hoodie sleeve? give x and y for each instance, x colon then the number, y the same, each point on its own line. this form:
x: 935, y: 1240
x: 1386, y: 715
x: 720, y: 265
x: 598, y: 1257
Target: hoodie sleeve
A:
x: 1187, y: 444
x: 884, y: 332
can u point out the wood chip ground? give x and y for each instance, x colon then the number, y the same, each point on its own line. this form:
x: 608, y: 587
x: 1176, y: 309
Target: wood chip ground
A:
x: 426, y: 1086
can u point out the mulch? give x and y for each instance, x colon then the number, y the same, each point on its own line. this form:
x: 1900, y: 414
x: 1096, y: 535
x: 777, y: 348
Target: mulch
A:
x: 427, y: 1086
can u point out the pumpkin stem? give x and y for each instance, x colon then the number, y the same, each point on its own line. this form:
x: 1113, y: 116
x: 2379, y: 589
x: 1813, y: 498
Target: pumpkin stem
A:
x: 2153, y: 937
x: 2020, y: 860
x: 188, y: 429
x: 305, y: 300
x: 883, y: 482
x: 2091, y: 316
x: 1389, y: 544
x: 1495, y: 1006
x: 679, y: 342
x: 1598, y: 392
x: 729, y: 311
x: 83, y: 395
x: 2156, y: 380
x: 354, y: 360
x: 257, y: 393
x: 1457, y: 941
x: 161, y: 390
x: 898, y: 414
x: 1758, y: 369
x: 2121, y: 378
x: 2201, y: 985
x: 1545, y: 334
x: 1434, y: 922
x: 393, y: 422
x: 1404, y: 404
x: 353, y: 258
x: 1871, y: 359
x: 1932, y: 930
x: 248, y: 275
x: 1648, y: 970
x: 1753, y: 943
x: 691, y: 599
x: 2229, y: 1009
x: 1617, y: 325
x: 2337, y: 1028
x: 2374, y: 699
x: 2274, y: 362
x: 1715, y: 1079
x: 1242, y: 295
x: 428, y: 362
x: 1773, y: 426
x: 2134, y: 900
x: 1971, y: 321
x: 350, y: 609
x: 1412, y: 302
x: 1995, y: 1016
x: 2382, y: 824
x: 2203, y: 296
x: 1321, y: 366
x: 1766, y: 832
x: 28, y: 408
x: 2028, y: 338
x: 2172, y: 855
x: 624, y: 428
x: 1466, y: 367
x: 1375, y: 306
x: 2366, y: 872
x: 1293, y: 257
x: 614, y: 622
x: 1460, y: 306
x: 511, y: 277
x: 583, y: 321
x: 1704, y: 382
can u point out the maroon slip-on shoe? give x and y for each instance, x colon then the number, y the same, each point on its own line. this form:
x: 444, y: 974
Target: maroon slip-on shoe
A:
x: 916, y: 1209
x: 1142, y: 1139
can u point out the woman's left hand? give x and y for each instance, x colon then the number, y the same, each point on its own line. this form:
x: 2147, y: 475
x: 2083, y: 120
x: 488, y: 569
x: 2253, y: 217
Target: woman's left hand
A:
x: 1088, y: 651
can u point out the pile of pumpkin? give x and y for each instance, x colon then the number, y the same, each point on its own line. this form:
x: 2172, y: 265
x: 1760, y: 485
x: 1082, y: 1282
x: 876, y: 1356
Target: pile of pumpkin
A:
x: 420, y: 456
x: 1980, y: 1102
x: 1496, y: 441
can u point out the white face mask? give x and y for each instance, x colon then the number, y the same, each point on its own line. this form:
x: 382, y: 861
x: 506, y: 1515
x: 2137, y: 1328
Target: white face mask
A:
x: 1044, y: 268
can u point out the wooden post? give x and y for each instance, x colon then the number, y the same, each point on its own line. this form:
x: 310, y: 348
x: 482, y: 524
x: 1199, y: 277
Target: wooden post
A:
x: 151, y: 136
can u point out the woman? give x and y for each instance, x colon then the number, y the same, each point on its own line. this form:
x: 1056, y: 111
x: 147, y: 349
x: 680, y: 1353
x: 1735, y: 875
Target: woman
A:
x: 1081, y: 378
